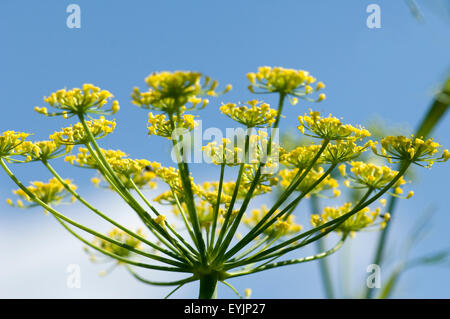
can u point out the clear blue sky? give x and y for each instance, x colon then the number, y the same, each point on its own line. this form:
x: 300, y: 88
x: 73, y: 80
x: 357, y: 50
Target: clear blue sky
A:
x: 390, y: 72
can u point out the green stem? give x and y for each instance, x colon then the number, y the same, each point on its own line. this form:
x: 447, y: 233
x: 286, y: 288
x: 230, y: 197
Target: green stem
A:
x: 159, y: 283
x: 99, y: 213
x: 333, y: 224
x: 263, y: 224
x: 208, y: 286
x: 434, y: 114
x: 182, y: 250
x: 189, y: 195
x: 217, y: 207
x: 290, y: 262
x: 323, y: 262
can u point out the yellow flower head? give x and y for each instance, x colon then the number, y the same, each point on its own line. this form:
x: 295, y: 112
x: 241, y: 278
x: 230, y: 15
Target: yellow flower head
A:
x: 257, y: 114
x: 300, y: 157
x: 416, y: 150
x: 85, y: 159
x: 343, y: 151
x: 121, y: 237
x: 11, y: 143
x: 358, y: 221
x: 280, y: 228
x: 75, y: 134
x: 329, y: 128
x: 259, y: 152
x: 44, y: 150
x: 88, y: 99
x: 286, y: 81
x: 224, y: 154
x: 169, y: 91
x: 265, y: 181
x: 52, y: 192
x: 368, y: 175
x: 159, y: 125
x: 328, y: 183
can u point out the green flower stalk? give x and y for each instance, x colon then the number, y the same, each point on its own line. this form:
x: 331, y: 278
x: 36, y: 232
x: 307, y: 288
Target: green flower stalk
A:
x: 226, y: 233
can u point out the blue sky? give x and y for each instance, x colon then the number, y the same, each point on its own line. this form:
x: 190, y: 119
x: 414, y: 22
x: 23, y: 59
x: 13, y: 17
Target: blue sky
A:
x: 391, y: 72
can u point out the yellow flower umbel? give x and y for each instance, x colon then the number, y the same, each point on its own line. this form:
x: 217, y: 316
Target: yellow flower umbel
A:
x: 226, y: 154
x: 88, y: 99
x: 343, y: 151
x: 361, y: 220
x: 260, y: 153
x: 328, y: 183
x: 52, y: 192
x: 159, y: 125
x: 119, y: 236
x: 300, y: 157
x: 169, y: 91
x: 329, y: 128
x: 280, y: 228
x: 44, y: 150
x: 85, y: 159
x: 265, y: 181
x: 298, y: 83
x: 368, y: 175
x: 415, y: 150
x: 75, y: 134
x: 11, y: 143
x: 257, y: 114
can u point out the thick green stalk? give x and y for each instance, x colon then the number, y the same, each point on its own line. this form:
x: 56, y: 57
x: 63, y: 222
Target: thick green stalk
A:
x: 208, y: 286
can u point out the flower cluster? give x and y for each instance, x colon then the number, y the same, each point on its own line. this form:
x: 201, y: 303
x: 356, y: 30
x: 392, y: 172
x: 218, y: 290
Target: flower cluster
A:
x: 416, y: 150
x: 44, y: 150
x: 257, y: 114
x: 122, y: 237
x: 85, y: 159
x: 363, y: 219
x: 288, y: 176
x: 213, y: 212
x: 11, y: 143
x: 343, y: 151
x: 368, y: 175
x: 169, y: 91
x: 301, y: 157
x: 75, y: 134
x: 127, y: 169
x: 285, y: 81
x: 88, y: 99
x: 226, y: 153
x: 158, y: 125
x: 52, y: 192
x: 329, y: 128
x: 282, y: 227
